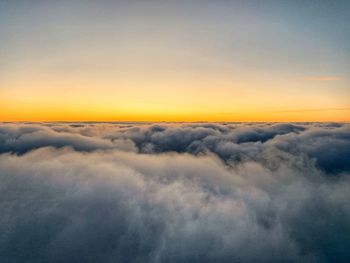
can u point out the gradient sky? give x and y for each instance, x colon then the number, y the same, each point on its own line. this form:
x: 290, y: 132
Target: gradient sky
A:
x: 175, y: 60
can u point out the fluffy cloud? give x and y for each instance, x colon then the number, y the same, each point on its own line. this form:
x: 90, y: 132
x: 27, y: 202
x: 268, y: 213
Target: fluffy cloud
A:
x: 120, y: 192
x: 20, y: 139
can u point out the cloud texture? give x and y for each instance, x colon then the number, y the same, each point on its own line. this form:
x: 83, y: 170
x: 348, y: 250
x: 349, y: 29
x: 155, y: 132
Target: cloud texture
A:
x: 136, y: 192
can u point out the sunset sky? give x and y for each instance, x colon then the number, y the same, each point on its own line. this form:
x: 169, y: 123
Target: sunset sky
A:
x: 174, y: 60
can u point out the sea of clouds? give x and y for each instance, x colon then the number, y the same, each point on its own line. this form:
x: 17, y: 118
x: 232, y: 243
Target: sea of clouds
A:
x: 174, y: 192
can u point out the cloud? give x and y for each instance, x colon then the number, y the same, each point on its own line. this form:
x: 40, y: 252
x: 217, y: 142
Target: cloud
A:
x: 226, y: 192
x: 323, y: 78
x: 313, y: 110
x: 20, y: 139
x: 326, y: 143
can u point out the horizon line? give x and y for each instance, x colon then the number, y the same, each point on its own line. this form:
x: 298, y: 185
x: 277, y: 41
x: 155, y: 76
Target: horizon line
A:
x: 199, y: 121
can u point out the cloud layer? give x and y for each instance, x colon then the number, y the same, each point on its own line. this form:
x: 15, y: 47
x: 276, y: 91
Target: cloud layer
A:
x: 136, y: 192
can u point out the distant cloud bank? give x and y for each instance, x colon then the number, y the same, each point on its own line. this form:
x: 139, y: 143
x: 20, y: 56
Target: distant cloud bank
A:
x: 162, y: 192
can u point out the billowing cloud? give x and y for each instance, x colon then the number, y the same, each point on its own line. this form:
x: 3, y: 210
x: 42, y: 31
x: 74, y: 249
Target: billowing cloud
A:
x: 20, y: 139
x: 231, y: 192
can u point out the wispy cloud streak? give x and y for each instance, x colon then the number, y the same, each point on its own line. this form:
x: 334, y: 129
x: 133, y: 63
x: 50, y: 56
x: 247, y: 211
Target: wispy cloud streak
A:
x: 323, y: 78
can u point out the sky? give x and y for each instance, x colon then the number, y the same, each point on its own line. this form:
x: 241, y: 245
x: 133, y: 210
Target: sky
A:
x: 174, y: 60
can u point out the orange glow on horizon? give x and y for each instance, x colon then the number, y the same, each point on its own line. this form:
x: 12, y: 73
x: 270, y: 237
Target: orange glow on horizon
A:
x: 75, y: 115
x: 212, y: 99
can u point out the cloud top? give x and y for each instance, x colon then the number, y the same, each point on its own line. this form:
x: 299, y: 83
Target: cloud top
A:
x: 229, y: 192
